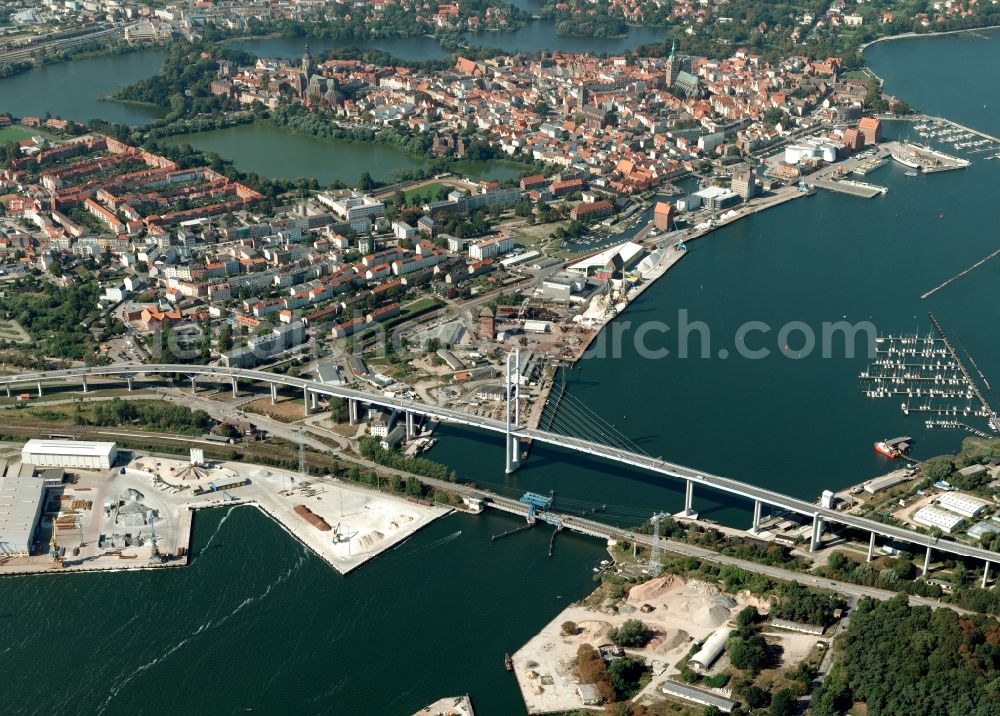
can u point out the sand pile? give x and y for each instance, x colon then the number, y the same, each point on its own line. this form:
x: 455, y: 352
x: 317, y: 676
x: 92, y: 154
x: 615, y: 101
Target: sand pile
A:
x: 371, y: 539
x: 592, y: 631
x: 745, y: 598
x: 668, y: 640
x: 654, y: 588
x: 399, y: 521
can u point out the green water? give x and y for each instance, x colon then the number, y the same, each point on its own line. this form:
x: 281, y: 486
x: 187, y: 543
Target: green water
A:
x: 540, y: 35
x: 406, y: 48
x: 277, y: 152
x: 71, y: 89
x: 257, y: 623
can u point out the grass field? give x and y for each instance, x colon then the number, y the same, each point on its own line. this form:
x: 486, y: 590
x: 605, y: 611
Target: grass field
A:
x: 426, y: 193
x: 12, y: 331
x: 17, y: 133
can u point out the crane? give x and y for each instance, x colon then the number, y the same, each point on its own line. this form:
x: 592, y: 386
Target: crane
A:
x: 154, y: 552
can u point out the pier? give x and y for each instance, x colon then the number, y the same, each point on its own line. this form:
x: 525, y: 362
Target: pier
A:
x: 959, y: 275
x: 850, y: 187
x: 961, y: 367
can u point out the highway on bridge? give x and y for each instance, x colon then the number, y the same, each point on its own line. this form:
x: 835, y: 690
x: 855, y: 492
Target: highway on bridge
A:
x: 750, y: 492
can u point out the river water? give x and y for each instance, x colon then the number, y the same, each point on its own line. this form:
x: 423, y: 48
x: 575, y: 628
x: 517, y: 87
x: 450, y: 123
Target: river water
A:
x: 257, y: 623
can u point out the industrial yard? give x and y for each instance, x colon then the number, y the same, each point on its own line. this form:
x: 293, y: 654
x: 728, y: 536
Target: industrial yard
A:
x: 678, y: 613
x: 138, y: 515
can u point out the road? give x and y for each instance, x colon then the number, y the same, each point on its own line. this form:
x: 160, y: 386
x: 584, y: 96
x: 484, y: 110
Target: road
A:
x: 645, y: 462
x: 308, y: 432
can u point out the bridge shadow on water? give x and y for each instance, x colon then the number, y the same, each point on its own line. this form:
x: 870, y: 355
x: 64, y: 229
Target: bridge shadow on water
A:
x: 581, y: 484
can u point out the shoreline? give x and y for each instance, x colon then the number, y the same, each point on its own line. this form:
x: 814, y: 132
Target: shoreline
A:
x: 915, y: 35
x: 300, y: 530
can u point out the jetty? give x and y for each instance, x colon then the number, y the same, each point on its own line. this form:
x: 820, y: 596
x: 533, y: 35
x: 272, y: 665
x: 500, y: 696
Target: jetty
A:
x: 850, y: 187
x: 961, y: 366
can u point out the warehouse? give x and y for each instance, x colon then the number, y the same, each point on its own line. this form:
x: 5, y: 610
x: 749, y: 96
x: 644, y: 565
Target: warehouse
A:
x: 698, y: 696
x: 933, y: 517
x: 710, y: 649
x: 69, y: 453
x: 21, y: 501
x: 961, y: 504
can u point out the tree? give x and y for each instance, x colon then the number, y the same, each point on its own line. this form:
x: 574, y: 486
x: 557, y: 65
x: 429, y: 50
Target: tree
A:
x: 755, y: 697
x: 632, y: 634
x: 365, y: 182
x: 747, y: 617
x: 783, y: 703
x: 625, y: 673
x: 749, y: 653
x: 569, y: 628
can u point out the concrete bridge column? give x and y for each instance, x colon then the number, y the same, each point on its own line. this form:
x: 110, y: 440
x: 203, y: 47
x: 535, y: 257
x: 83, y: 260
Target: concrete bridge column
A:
x: 871, y: 548
x: 84, y: 383
x: 274, y: 393
x: 352, y: 410
x: 194, y: 385
x: 927, y: 561
x: 689, y: 499
x: 315, y: 401
x: 39, y: 389
x: 411, y: 428
x: 986, y: 573
x: 756, y: 517
x: 817, y: 533
x: 305, y: 401
x: 513, y: 453
x: 236, y: 387
x: 129, y: 381
x: 8, y: 390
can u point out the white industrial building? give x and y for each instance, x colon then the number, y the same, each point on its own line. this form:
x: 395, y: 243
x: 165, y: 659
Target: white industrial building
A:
x: 69, y: 453
x: 21, y: 500
x: 710, y: 649
x: 933, y: 517
x: 962, y: 504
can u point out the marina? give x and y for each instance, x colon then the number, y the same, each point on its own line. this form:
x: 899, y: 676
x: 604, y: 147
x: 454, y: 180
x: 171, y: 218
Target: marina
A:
x: 928, y: 374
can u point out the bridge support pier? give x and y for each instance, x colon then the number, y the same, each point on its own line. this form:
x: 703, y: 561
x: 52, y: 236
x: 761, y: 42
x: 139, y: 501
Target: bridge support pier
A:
x: 305, y: 401
x: 8, y: 390
x: 274, y: 393
x: 817, y: 533
x: 84, y: 383
x: 315, y: 401
x: 689, y: 499
x: 927, y: 561
x: 39, y: 389
x: 194, y: 385
x: 236, y: 387
x: 352, y: 411
x: 513, y: 453
x: 755, y: 528
x: 411, y: 428
x: 129, y: 381
x: 986, y: 573
x: 871, y: 548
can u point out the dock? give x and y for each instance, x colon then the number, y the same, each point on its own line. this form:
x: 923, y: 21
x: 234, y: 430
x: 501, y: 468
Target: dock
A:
x: 961, y: 366
x: 850, y: 187
x: 448, y: 706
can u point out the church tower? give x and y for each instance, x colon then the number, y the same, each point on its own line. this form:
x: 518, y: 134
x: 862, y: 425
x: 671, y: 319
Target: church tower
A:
x: 307, y: 63
x: 673, y: 65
